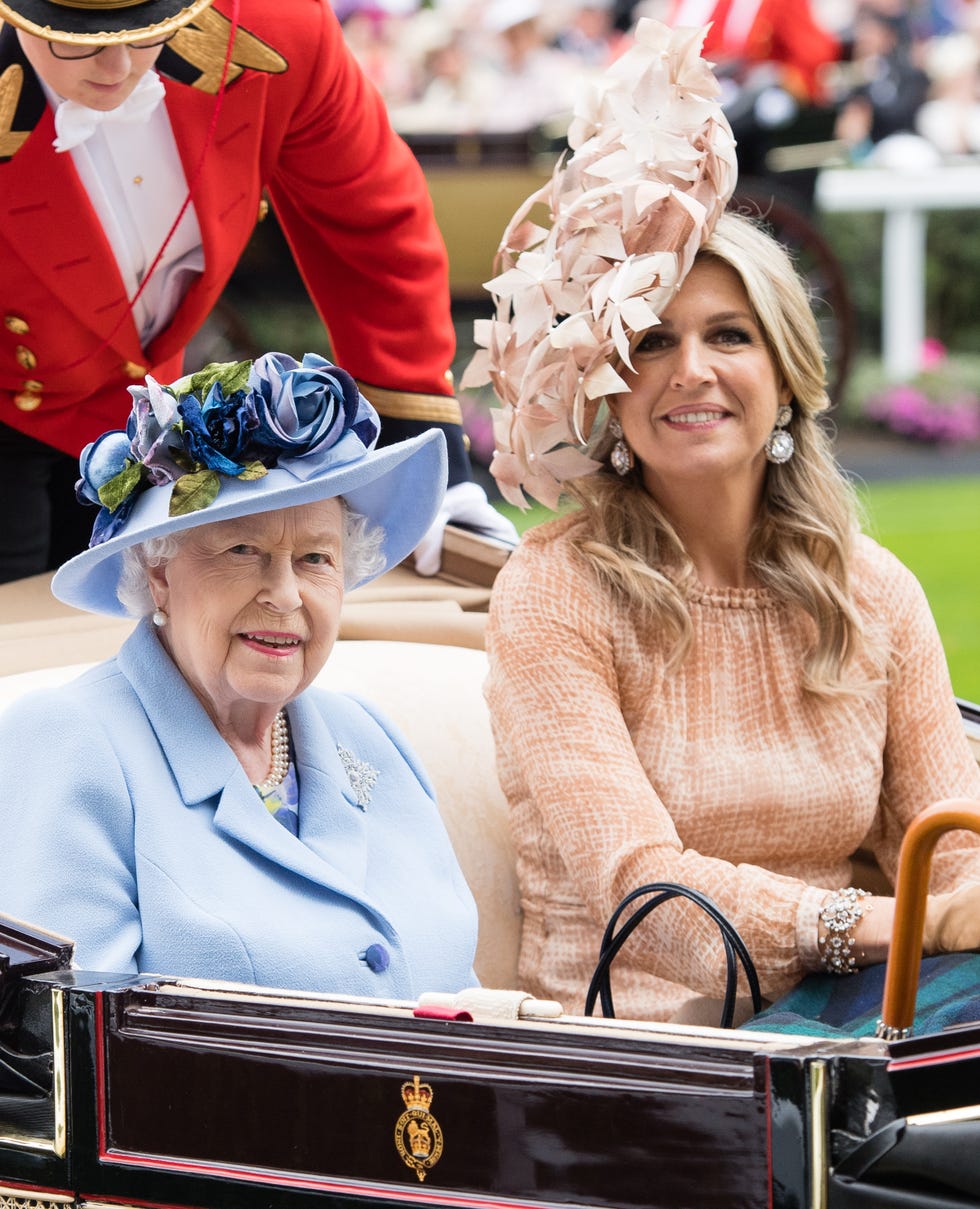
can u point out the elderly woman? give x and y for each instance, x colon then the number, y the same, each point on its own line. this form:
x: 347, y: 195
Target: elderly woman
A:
x: 193, y: 806
x: 703, y: 674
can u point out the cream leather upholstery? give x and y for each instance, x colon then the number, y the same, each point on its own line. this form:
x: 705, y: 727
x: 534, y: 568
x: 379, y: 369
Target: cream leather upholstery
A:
x: 38, y: 631
x: 434, y: 695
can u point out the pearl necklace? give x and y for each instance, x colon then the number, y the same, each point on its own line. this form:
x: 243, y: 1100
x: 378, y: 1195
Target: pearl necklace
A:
x: 279, y: 764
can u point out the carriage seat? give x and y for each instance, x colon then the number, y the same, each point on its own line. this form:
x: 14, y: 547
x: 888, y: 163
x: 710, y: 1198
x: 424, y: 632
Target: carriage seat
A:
x: 433, y: 693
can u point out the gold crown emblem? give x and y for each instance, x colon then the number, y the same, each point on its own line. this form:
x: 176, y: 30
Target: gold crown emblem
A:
x: 418, y: 1137
x: 416, y: 1094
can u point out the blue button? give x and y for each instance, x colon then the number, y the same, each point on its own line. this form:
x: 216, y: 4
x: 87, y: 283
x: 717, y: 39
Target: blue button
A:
x: 376, y: 958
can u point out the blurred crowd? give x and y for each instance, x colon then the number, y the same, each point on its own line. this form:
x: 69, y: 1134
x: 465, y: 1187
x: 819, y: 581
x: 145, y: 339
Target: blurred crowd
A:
x: 908, y: 89
x: 902, y: 77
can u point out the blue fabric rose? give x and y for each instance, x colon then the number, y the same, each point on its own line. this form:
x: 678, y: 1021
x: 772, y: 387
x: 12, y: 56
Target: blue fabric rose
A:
x: 106, y: 464
x: 301, y: 407
x: 99, y: 462
x: 108, y: 522
x: 154, y: 432
x: 218, y: 432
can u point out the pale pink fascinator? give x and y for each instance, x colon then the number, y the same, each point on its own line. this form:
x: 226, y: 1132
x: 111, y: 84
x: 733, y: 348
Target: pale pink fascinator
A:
x: 652, y: 168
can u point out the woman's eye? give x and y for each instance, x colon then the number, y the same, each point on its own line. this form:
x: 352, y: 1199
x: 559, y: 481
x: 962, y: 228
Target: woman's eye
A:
x: 318, y: 558
x: 652, y: 342
x: 733, y: 335
x: 241, y: 548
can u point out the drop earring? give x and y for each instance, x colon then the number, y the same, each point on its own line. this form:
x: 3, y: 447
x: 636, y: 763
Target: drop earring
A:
x: 621, y: 456
x: 159, y: 618
x: 780, y: 444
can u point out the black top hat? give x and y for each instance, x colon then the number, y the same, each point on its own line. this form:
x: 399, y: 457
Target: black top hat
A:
x: 102, y: 22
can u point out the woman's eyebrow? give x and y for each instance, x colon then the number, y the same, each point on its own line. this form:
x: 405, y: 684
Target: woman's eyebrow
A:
x: 323, y: 541
x: 720, y: 317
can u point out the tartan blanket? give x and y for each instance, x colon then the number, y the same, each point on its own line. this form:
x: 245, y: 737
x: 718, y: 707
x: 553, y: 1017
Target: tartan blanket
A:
x: 829, y: 1005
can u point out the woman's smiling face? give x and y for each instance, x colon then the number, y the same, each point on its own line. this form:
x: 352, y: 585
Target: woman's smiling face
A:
x: 706, y: 391
x: 253, y: 605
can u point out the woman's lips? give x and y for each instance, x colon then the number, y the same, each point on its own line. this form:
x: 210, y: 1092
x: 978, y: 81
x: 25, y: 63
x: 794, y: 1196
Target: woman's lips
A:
x: 271, y: 643
x: 706, y: 415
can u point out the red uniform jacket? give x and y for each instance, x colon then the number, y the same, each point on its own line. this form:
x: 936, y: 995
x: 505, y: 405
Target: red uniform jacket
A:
x: 297, y: 119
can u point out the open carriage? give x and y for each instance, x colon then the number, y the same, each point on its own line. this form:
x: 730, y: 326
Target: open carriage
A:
x: 164, y: 1092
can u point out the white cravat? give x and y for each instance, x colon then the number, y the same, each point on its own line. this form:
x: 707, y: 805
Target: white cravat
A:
x: 75, y: 123
x: 134, y: 178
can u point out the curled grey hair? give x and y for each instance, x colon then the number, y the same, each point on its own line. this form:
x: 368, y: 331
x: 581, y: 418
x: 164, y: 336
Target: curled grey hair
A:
x: 363, y: 557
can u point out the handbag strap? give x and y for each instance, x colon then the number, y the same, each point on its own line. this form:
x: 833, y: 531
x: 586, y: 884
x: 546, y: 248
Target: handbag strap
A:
x: 616, y: 935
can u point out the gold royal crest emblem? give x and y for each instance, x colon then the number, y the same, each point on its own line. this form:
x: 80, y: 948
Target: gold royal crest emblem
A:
x: 417, y: 1133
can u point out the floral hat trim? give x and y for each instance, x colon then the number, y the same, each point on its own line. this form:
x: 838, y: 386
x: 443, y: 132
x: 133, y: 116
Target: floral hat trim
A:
x: 235, y: 420
x: 652, y: 168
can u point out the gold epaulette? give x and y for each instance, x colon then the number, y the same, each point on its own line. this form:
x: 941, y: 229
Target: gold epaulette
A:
x: 405, y: 405
x: 11, y: 83
x: 203, y: 43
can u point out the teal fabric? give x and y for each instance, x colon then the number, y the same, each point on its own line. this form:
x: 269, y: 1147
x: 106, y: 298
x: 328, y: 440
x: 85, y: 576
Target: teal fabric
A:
x: 829, y: 1005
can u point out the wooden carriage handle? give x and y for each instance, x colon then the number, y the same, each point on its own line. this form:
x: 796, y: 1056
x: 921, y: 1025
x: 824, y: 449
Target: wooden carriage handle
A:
x: 911, y: 892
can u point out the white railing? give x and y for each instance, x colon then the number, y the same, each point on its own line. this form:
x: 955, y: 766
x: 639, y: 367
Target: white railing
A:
x: 905, y: 198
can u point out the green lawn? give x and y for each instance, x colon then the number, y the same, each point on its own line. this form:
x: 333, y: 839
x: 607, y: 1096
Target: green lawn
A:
x: 934, y: 528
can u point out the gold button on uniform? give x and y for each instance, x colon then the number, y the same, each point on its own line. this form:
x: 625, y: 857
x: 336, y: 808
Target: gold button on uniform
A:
x: 27, y: 400
x: 14, y: 323
x: 25, y: 358
x: 133, y: 369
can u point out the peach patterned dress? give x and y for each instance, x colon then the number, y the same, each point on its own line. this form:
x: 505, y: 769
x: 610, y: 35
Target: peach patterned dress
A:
x: 722, y: 775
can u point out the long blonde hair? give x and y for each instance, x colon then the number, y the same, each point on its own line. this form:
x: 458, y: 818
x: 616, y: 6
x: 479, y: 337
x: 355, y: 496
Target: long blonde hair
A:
x: 802, y: 544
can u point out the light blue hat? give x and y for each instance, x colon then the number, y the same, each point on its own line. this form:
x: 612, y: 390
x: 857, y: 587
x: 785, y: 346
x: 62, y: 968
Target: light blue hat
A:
x: 241, y: 438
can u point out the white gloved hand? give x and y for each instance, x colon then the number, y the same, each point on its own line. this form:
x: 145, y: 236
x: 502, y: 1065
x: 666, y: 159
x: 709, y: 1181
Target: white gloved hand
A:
x: 464, y: 504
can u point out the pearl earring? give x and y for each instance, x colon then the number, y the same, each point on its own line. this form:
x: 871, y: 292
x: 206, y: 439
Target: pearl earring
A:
x: 780, y: 444
x: 621, y: 456
x: 159, y: 618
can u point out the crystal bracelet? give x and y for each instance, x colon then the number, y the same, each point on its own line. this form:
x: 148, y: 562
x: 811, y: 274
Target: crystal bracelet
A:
x: 839, y: 916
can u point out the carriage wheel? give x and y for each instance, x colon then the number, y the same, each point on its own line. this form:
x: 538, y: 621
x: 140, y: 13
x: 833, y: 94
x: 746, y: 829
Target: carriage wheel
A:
x: 787, y: 219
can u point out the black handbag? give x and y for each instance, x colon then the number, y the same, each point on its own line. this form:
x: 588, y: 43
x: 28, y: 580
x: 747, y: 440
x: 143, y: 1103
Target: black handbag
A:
x: 616, y: 935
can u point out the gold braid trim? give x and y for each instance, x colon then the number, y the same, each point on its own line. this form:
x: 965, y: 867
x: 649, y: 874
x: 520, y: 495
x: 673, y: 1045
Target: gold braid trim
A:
x: 403, y: 405
x: 204, y: 41
x: 11, y: 83
x: 99, y: 5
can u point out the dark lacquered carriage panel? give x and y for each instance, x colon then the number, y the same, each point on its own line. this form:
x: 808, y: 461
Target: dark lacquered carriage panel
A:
x: 525, y: 1113
x: 130, y: 1091
x: 33, y: 1138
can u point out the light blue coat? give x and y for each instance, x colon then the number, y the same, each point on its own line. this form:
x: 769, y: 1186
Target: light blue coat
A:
x: 128, y: 824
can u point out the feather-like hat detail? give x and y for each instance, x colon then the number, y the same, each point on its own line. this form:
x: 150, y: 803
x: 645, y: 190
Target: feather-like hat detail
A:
x: 651, y: 168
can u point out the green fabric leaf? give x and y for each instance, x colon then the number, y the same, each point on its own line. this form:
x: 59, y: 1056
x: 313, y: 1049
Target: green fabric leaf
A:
x: 184, y: 460
x: 233, y: 375
x: 113, y: 491
x: 192, y: 492
x: 253, y: 470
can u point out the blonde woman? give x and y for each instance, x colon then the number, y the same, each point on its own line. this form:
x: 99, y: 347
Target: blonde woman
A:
x: 703, y: 674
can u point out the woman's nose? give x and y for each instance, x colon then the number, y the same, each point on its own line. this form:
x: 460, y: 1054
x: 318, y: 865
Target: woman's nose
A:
x: 280, y: 587
x: 692, y: 364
